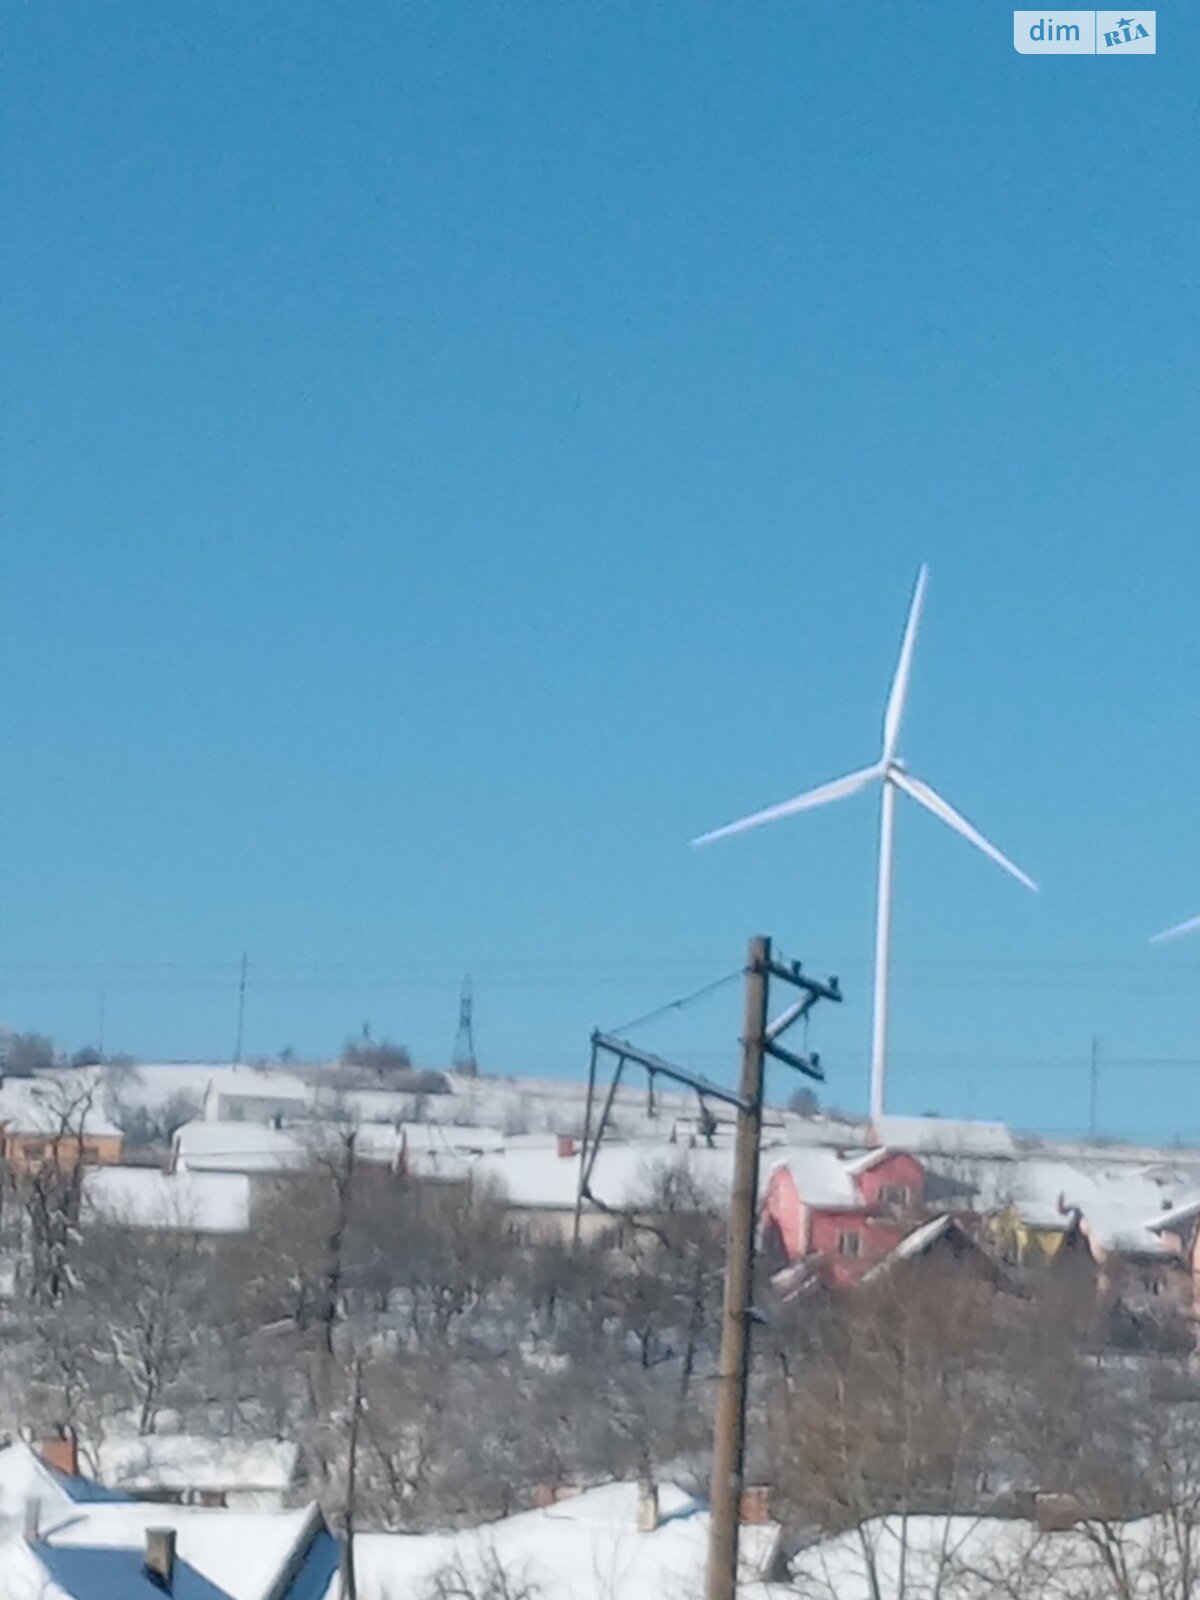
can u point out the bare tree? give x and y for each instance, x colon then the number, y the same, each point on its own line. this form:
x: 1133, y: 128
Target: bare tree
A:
x: 480, y: 1574
x: 45, y: 1185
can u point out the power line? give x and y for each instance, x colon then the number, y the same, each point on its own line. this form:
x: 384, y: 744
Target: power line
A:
x: 678, y: 1005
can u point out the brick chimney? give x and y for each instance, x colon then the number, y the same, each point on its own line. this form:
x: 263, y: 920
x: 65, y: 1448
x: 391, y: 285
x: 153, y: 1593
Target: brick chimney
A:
x: 567, y: 1146
x: 546, y: 1495
x: 62, y: 1452
x: 160, y: 1556
x: 1056, y: 1513
x: 756, y: 1504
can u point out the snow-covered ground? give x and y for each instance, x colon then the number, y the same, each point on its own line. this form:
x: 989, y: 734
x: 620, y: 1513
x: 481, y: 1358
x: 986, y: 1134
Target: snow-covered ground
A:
x: 586, y: 1548
x: 992, y: 1558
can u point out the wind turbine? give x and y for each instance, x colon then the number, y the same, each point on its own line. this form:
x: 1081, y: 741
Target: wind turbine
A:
x: 891, y: 774
x: 1189, y: 926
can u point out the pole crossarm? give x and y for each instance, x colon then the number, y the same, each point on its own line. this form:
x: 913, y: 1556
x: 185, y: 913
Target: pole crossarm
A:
x: 792, y: 972
x: 810, y: 1066
x: 625, y: 1051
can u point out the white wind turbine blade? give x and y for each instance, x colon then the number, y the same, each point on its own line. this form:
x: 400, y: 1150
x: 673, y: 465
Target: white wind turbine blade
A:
x: 895, y: 706
x: 1174, y: 933
x: 945, y: 812
x: 838, y: 789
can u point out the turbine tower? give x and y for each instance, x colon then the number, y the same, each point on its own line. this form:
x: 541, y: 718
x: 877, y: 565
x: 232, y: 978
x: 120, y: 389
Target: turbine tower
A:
x: 892, y: 776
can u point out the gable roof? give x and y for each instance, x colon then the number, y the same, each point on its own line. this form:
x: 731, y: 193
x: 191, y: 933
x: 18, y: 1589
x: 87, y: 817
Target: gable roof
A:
x: 185, y: 1202
x: 87, y: 1573
x: 943, y: 1136
x: 26, y: 1478
x: 39, y: 1106
x: 823, y: 1178
x: 236, y: 1147
x: 243, y: 1555
x: 1168, y: 1221
x: 1118, y: 1205
x: 924, y: 1238
x: 178, y: 1461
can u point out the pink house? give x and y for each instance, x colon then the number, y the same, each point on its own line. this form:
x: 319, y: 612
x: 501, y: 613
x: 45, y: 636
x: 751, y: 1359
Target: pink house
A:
x: 829, y: 1218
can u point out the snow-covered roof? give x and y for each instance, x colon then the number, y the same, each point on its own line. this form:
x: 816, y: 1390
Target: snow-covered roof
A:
x: 439, y: 1136
x: 255, y: 1083
x: 942, y: 1136
x: 585, y: 1548
x: 243, y: 1555
x: 920, y: 1240
x: 152, y: 1084
x: 1117, y: 1204
x: 868, y: 1159
x: 536, y: 1176
x: 185, y: 1201
x: 916, y: 1243
x: 823, y: 1178
x: 237, y: 1147
x: 1169, y: 1221
x: 180, y: 1461
x: 53, y: 1103
x: 542, y: 1179
x: 437, y: 1149
x: 25, y: 1479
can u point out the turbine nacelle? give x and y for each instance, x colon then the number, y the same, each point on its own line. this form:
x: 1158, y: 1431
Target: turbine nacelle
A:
x: 889, y: 768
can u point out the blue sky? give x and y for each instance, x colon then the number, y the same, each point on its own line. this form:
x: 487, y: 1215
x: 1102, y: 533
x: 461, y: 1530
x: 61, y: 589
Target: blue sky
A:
x: 453, y: 453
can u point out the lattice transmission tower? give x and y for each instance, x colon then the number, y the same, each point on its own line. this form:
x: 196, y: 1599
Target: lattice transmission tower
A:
x: 463, y: 1059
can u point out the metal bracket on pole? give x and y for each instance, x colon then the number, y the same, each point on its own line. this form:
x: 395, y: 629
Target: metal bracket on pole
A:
x: 655, y: 1065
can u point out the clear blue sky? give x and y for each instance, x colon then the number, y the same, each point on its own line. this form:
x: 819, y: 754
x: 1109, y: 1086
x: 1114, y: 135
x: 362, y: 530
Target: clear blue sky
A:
x: 454, y: 452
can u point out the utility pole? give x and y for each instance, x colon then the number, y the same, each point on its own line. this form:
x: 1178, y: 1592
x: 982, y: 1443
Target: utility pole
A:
x: 733, y: 1365
x: 759, y: 1040
x: 348, y: 1586
x: 237, y: 1050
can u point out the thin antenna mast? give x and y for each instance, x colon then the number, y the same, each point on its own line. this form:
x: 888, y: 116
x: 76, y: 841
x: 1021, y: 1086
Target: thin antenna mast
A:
x: 237, y: 1049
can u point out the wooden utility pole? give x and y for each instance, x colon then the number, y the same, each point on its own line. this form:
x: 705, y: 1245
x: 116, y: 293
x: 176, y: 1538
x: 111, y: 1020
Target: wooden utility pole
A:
x: 729, y: 1433
x: 348, y: 1586
x: 759, y: 1040
x: 583, y: 1148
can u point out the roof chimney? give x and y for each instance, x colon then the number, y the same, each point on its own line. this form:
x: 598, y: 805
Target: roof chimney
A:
x: 567, y: 1146
x: 1056, y: 1513
x: 756, y: 1504
x: 160, y: 1556
x: 62, y: 1452
x: 33, y: 1519
x: 647, y: 1506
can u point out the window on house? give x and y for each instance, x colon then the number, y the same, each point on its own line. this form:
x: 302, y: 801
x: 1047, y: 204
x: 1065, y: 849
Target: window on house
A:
x: 850, y: 1243
x: 894, y: 1194
x: 33, y: 1152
